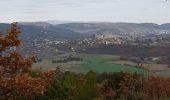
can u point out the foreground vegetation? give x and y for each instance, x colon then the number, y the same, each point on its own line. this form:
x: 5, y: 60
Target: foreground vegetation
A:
x: 107, y: 86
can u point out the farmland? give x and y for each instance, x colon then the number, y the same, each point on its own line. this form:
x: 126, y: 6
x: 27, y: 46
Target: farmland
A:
x: 94, y: 62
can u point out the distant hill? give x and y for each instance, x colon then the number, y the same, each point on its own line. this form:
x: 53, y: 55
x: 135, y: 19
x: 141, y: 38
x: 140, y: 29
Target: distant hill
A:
x: 36, y: 34
x: 117, y: 28
x: 43, y: 30
x: 166, y: 26
x: 77, y: 30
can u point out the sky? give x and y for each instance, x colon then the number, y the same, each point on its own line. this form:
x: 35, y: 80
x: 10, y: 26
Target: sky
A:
x: 133, y: 11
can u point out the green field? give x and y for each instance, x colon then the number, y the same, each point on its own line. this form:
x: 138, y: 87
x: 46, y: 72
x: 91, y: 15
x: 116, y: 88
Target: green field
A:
x: 99, y: 63
x: 94, y: 62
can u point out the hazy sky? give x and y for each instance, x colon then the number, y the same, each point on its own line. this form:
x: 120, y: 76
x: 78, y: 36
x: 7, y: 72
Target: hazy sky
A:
x: 157, y: 11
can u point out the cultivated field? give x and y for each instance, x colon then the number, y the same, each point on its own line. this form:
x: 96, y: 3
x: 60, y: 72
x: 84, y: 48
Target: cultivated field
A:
x: 94, y: 62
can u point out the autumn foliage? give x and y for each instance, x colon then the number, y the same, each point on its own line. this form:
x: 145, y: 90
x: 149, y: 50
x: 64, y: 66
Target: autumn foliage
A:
x: 16, y: 81
x: 157, y: 87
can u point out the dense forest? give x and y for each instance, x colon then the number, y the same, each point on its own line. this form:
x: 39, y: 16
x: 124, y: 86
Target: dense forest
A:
x: 19, y: 82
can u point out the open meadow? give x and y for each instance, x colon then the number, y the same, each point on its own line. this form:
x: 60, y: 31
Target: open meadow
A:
x: 90, y: 62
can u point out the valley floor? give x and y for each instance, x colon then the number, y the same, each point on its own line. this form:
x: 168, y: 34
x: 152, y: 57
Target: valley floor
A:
x: 101, y: 63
